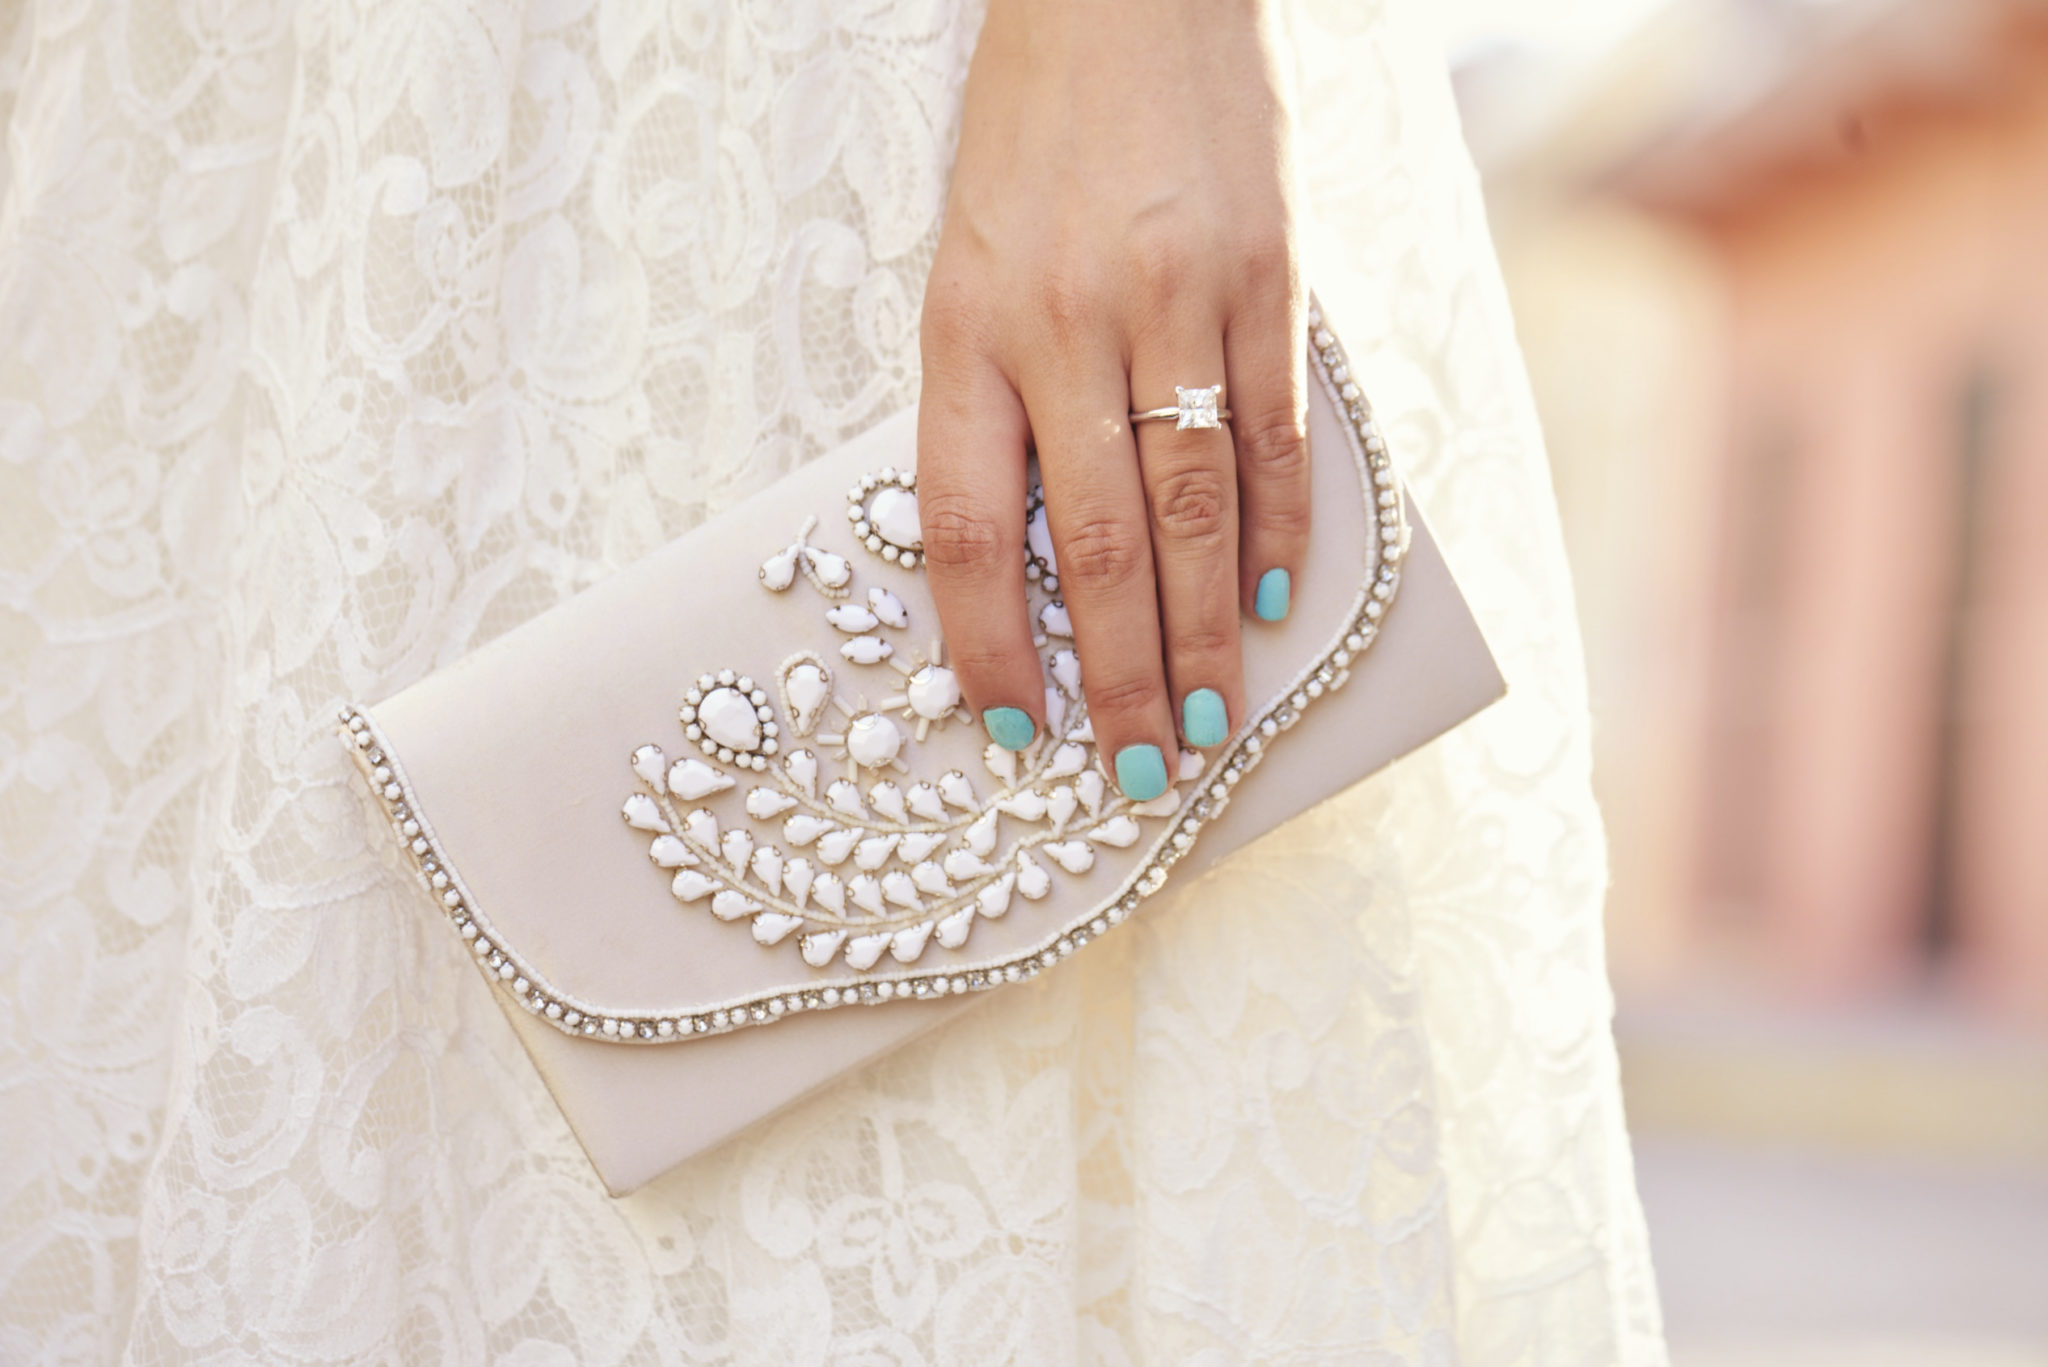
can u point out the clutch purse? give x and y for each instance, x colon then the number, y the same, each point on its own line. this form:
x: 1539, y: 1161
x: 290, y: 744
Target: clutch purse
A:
x: 720, y: 828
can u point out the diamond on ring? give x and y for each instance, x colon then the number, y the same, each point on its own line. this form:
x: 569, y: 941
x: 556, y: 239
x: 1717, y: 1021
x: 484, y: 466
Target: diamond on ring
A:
x: 1197, y: 408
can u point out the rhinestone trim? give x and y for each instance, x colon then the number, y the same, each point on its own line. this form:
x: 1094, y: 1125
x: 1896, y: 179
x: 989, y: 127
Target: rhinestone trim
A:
x: 511, y: 973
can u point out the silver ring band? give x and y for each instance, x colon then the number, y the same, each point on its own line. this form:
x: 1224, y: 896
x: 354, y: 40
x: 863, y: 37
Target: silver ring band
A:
x: 1196, y: 408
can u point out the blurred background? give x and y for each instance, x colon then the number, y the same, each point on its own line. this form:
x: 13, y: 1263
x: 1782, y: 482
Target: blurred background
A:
x: 1780, y: 268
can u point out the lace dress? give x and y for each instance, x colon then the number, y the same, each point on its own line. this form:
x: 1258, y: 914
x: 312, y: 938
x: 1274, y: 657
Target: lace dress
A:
x: 342, y: 337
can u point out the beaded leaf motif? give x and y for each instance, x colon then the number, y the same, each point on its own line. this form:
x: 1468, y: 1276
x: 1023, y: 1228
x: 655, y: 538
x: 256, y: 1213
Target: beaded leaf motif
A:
x: 844, y: 844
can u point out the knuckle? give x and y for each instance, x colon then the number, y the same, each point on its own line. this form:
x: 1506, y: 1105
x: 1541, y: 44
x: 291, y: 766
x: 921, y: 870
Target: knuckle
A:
x: 973, y: 657
x: 1193, y: 505
x: 1202, y: 640
x: 958, y: 536
x: 946, y: 324
x: 1102, y: 555
x: 1274, y: 448
x: 1162, y: 265
x: 1067, y: 303
x: 1265, y: 259
x: 1125, y: 695
x: 1287, y: 520
x: 953, y: 314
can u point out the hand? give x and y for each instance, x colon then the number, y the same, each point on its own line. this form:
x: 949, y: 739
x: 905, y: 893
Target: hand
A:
x: 1120, y: 223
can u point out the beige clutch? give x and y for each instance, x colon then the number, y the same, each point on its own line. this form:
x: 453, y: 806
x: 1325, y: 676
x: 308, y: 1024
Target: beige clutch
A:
x: 720, y: 828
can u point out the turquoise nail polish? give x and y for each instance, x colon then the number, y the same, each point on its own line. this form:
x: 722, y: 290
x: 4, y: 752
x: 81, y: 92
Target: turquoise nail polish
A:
x: 1009, y: 727
x: 1276, y: 587
x: 1204, y: 720
x: 1141, y: 772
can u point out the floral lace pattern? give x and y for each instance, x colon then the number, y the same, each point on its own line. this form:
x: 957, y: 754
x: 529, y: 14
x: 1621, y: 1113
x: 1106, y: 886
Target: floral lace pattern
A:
x: 342, y: 338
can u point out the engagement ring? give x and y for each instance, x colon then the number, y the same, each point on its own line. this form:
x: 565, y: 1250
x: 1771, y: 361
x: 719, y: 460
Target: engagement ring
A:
x: 1196, y: 408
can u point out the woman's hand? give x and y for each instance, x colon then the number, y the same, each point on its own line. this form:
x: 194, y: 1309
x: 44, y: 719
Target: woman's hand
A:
x: 1120, y: 224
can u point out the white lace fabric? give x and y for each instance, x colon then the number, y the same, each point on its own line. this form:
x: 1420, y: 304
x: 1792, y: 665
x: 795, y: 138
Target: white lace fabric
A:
x: 340, y: 338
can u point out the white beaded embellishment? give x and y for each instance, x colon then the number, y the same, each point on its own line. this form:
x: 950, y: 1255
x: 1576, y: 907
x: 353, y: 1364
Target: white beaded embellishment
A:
x: 857, y: 858
x: 883, y: 510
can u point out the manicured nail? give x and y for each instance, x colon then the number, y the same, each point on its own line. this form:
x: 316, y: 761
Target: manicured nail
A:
x: 1141, y: 772
x: 1009, y: 727
x: 1270, y: 602
x: 1204, y: 720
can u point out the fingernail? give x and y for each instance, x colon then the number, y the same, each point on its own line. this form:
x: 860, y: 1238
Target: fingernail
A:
x: 1204, y: 720
x: 1009, y: 727
x: 1141, y: 772
x: 1270, y: 602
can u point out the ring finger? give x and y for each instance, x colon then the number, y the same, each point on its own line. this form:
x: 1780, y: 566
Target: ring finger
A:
x: 1190, y: 477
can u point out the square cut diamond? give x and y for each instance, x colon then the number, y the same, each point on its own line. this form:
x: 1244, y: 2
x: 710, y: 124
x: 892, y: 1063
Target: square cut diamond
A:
x: 1198, y: 406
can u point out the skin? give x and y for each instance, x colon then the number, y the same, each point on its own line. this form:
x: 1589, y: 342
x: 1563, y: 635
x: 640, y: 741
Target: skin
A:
x: 1120, y: 221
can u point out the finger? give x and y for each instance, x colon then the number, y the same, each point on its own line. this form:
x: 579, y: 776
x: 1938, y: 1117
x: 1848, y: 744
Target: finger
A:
x: 1266, y: 368
x: 1190, y: 480
x: 971, y: 436
x: 1102, y: 544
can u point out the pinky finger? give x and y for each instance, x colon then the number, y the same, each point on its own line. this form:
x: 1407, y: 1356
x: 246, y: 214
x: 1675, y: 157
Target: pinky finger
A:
x: 1267, y: 372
